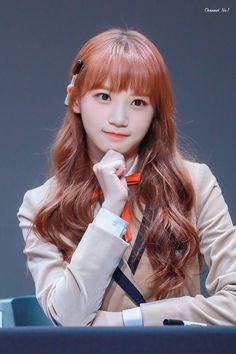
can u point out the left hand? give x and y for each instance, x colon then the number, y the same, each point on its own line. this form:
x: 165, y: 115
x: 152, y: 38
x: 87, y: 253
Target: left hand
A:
x: 108, y: 319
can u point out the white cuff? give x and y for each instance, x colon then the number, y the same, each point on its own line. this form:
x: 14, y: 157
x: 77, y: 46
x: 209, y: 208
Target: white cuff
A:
x: 110, y: 222
x: 132, y: 317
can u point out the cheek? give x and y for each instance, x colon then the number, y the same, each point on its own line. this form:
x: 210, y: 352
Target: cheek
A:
x: 91, y: 115
x: 141, y: 127
x: 88, y: 119
x: 92, y: 127
x: 142, y: 122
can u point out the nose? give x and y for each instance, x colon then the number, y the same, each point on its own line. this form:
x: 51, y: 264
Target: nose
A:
x: 118, y: 116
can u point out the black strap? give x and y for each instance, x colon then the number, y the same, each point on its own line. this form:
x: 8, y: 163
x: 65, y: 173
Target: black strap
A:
x: 139, y: 246
x: 128, y: 287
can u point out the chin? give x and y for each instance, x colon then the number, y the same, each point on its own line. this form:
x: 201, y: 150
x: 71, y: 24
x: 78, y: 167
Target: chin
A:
x: 121, y: 148
x: 118, y: 149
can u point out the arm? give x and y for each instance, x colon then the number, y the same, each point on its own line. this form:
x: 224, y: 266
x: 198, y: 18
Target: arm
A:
x: 70, y: 293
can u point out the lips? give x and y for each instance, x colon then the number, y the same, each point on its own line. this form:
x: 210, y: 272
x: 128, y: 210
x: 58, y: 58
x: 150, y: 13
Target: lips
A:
x: 116, y: 135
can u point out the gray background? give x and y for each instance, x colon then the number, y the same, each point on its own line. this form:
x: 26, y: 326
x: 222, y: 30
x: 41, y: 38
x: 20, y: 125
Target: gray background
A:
x: 38, y: 42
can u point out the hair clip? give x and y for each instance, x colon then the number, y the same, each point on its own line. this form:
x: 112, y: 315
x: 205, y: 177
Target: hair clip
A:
x: 71, y: 85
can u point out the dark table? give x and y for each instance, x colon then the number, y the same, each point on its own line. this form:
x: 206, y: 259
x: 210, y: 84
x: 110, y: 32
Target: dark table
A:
x: 113, y: 340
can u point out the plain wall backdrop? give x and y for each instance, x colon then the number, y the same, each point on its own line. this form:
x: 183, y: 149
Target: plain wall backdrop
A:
x: 38, y: 40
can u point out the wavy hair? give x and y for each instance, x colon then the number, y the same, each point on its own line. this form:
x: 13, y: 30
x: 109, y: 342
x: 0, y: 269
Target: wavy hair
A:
x: 129, y: 60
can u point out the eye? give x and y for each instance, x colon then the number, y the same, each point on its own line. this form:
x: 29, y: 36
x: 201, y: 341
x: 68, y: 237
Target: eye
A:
x: 103, y: 96
x: 139, y: 102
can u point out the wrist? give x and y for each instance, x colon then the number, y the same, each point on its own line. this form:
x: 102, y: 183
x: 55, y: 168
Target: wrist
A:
x: 115, y: 207
x: 110, y: 222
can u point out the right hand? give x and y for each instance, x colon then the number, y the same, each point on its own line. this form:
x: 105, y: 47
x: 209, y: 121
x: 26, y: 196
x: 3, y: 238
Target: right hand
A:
x: 110, y: 174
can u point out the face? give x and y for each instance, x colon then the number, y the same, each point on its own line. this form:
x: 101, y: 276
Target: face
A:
x: 117, y: 121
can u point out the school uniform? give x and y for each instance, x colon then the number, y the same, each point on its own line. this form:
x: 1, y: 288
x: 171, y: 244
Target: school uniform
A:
x: 72, y: 293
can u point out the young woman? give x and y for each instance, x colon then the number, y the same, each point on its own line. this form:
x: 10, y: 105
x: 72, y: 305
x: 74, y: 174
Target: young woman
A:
x: 117, y: 235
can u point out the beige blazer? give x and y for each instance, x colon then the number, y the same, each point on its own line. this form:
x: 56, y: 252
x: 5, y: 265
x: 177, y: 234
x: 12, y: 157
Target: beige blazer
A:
x: 72, y: 293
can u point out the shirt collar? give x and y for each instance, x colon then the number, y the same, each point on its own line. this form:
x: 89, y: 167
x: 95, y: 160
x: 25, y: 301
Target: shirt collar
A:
x: 133, y: 167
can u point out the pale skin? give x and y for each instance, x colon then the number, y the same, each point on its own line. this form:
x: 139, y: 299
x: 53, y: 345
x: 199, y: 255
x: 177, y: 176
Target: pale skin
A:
x: 104, y: 111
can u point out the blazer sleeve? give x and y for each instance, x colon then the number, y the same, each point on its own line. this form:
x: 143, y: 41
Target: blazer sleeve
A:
x: 218, y: 246
x: 69, y: 293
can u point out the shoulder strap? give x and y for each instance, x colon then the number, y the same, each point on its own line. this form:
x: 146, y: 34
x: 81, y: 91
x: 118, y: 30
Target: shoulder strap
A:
x: 128, y: 287
x: 139, y: 245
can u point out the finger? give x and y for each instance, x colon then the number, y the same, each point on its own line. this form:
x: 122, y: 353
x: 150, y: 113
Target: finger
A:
x: 114, y: 166
x: 119, y: 167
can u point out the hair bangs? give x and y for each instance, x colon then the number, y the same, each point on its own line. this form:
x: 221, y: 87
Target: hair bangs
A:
x: 121, y: 71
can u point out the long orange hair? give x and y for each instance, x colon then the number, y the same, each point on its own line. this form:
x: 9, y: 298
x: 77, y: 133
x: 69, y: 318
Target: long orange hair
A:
x: 129, y: 60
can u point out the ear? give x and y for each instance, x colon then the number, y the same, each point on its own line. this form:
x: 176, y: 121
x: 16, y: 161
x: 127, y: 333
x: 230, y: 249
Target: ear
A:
x: 76, y: 106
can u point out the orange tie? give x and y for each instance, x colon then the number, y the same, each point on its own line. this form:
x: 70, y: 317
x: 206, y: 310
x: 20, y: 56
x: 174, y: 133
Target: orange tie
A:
x: 132, y: 179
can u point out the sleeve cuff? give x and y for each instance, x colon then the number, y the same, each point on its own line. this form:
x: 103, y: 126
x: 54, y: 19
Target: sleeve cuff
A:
x: 110, y: 222
x: 132, y: 317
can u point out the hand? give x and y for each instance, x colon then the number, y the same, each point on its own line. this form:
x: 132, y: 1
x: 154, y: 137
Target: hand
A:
x: 108, y: 319
x: 110, y: 174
